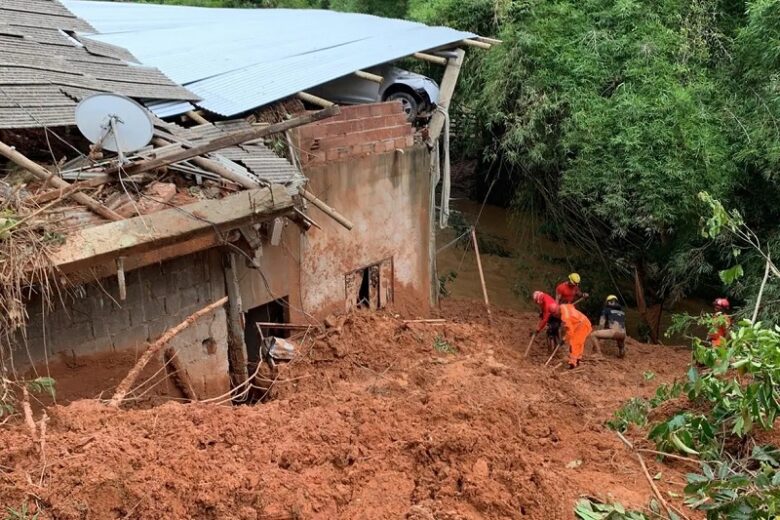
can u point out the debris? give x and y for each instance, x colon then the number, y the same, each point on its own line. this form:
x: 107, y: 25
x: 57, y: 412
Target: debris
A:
x: 179, y: 375
x: 154, y: 348
x: 45, y: 175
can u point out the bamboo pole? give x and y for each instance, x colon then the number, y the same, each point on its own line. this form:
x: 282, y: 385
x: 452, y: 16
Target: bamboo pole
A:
x: 492, y: 41
x: 477, y: 43
x: 481, y: 274
x: 430, y: 58
x: 211, y: 166
x: 154, y: 348
x: 315, y: 100
x: 376, y: 78
x: 45, y: 175
x: 332, y: 213
x: 198, y: 118
x: 226, y: 141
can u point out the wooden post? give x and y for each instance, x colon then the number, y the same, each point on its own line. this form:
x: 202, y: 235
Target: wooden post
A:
x: 45, y: 175
x: 120, y: 277
x: 226, y: 141
x: 481, y: 274
x: 446, y: 90
x: 237, y: 355
x: 332, y: 213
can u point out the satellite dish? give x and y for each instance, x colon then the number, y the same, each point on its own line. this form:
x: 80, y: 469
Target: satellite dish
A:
x: 115, y: 123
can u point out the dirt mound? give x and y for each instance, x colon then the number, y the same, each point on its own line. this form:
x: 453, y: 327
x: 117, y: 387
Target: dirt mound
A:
x: 377, y: 419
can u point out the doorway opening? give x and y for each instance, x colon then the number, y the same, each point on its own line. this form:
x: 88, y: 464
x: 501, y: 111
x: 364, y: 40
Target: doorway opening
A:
x: 276, y: 311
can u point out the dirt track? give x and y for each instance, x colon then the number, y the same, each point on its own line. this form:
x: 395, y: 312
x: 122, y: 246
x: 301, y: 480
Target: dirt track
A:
x: 372, y: 423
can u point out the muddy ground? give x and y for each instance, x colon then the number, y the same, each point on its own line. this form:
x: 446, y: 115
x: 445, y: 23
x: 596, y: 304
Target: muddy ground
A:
x: 370, y: 422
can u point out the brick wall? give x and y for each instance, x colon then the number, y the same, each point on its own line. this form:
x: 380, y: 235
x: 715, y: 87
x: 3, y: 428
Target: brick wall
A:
x: 91, y: 319
x: 357, y: 131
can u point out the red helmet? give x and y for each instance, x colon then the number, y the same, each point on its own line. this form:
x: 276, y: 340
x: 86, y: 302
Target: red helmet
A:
x: 723, y: 303
x: 538, y: 297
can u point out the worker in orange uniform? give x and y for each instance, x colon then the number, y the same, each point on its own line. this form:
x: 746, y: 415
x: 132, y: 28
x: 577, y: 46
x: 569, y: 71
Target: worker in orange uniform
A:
x: 722, y: 321
x: 576, y: 330
x: 548, y: 311
x: 569, y: 290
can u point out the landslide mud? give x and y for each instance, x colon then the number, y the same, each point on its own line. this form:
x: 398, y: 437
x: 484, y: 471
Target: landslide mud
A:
x: 370, y: 422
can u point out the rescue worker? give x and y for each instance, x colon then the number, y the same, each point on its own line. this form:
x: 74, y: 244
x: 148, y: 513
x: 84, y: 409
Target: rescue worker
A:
x: 568, y: 291
x: 722, y: 321
x: 576, y: 331
x: 548, y: 318
x: 612, y: 325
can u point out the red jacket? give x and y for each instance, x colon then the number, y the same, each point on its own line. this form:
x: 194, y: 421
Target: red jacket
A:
x: 545, y: 308
x: 721, y: 331
x: 567, y: 292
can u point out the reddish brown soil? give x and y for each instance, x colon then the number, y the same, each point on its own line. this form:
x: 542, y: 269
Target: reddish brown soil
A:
x: 370, y: 422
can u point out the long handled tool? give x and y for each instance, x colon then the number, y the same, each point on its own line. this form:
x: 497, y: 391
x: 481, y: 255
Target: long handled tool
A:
x: 553, y: 354
x: 528, y: 348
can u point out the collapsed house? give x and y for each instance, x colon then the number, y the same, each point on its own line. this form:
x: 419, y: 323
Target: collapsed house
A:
x: 208, y: 210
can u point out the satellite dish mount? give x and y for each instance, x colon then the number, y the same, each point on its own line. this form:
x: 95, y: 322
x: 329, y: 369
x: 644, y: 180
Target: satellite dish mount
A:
x: 115, y: 123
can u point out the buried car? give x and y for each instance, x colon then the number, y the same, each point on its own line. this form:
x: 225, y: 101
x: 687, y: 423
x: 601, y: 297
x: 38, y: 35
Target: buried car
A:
x: 417, y: 93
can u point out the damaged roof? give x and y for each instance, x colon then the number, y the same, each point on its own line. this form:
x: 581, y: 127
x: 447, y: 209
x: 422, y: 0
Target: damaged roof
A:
x: 238, y: 59
x: 46, y: 67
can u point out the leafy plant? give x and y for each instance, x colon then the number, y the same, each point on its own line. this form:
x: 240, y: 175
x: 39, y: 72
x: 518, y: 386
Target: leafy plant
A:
x: 23, y: 513
x: 632, y: 412
x: 41, y: 385
x: 744, y: 489
x: 442, y: 345
x: 586, y: 509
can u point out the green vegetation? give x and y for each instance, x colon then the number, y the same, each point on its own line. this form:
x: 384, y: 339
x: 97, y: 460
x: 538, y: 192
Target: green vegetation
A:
x: 23, y: 513
x: 441, y: 345
x: 731, y: 396
x: 587, y: 509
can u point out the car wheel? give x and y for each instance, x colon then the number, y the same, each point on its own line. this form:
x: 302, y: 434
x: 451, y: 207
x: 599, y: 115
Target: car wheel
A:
x: 408, y: 102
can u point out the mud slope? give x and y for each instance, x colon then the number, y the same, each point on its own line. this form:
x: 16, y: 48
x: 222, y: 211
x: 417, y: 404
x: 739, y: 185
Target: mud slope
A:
x: 371, y: 422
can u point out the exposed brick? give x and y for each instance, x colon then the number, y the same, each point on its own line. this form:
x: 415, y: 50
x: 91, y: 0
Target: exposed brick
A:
x: 153, y: 308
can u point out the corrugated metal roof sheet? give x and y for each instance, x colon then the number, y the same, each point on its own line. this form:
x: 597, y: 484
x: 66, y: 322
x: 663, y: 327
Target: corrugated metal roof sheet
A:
x: 255, y: 157
x: 39, y: 63
x: 239, y: 59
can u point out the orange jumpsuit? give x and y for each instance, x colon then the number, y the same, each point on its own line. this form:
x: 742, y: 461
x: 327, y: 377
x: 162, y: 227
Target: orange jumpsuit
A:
x: 577, y: 329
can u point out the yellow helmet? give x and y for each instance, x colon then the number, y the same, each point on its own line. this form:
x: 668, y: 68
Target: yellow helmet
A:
x: 612, y: 298
x: 574, y: 278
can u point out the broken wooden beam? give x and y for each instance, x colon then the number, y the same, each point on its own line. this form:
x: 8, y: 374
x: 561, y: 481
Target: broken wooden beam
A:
x: 45, y: 175
x: 376, y: 78
x: 124, y: 387
x: 314, y: 100
x: 226, y: 141
x: 430, y: 58
x: 332, y: 213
